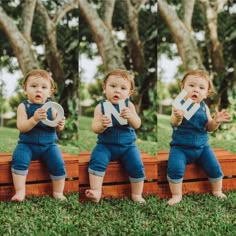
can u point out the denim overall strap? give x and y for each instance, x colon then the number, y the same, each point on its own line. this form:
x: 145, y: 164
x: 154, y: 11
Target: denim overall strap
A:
x: 27, y: 105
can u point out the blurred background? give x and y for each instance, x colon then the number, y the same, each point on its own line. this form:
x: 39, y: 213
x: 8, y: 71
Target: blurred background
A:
x: 196, y: 34
x: 79, y: 41
x: 119, y: 34
x: 39, y: 34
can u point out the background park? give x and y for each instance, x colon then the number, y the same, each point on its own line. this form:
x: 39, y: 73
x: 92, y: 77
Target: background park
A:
x: 79, y: 41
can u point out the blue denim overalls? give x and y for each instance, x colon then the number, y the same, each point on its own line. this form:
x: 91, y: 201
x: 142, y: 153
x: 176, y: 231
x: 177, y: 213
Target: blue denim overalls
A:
x: 190, y: 144
x: 38, y: 143
x: 117, y: 143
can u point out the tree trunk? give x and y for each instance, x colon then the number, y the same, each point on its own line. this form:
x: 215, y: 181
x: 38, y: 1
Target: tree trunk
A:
x: 188, y: 6
x: 20, y: 45
x: 27, y: 18
x: 185, y: 41
x: 109, y: 51
x: 135, y: 45
x: 53, y: 56
x: 216, y: 49
x: 210, y: 10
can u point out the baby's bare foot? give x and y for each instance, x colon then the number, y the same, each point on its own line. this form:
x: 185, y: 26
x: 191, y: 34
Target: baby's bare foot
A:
x: 137, y: 198
x: 19, y: 196
x: 219, y: 194
x: 59, y: 196
x: 174, y: 200
x: 93, y: 195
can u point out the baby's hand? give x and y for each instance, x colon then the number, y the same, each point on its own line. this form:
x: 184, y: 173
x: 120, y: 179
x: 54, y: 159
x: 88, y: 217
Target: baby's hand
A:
x: 126, y: 113
x: 105, y: 121
x: 61, y: 123
x: 221, y: 116
x: 40, y: 114
x: 179, y: 114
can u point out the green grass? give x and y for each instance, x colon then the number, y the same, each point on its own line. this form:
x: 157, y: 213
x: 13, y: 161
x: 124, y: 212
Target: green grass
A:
x: 198, y: 215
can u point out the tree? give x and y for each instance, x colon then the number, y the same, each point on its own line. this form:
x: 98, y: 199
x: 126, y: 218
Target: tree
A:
x: 181, y: 31
x: 24, y: 39
x: 200, y: 16
x: 125, y: 34
x: 108, y: 19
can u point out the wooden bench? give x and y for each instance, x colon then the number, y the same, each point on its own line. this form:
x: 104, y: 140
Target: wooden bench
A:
x: 116, y: 182
x: 195, y: 180
x: 38, y: 181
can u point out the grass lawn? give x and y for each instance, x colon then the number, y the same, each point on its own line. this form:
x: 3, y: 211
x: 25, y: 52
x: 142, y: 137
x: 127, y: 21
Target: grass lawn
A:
x: 198, y: 215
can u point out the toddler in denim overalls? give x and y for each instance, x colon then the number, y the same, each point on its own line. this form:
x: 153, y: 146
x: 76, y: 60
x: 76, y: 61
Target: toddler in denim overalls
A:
x: 190, y: 138
x: 37, y: 140
x: 116, y: 142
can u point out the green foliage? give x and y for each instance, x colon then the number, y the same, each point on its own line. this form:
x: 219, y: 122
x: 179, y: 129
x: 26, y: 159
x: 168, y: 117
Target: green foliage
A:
x: 14, y: 101
x: 148, y: 129
x: 228, y: 130
x: 70, y: 131
x: 95, y: 90
x: 11, y: 123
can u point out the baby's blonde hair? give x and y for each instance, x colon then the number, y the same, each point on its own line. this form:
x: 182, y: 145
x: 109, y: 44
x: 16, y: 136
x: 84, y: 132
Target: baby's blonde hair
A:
x: 40, y: 73
x: 202, y: 74
x: 123, y: 74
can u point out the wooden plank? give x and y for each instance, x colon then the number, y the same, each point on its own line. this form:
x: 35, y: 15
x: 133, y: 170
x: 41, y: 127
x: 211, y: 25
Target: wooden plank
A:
x: 119, y: 191
x: 37, y: 170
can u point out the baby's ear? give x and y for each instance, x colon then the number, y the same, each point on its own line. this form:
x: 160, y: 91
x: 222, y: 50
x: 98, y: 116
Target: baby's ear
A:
x: 104, y: 87
x: 52, y: 91
x: 208, y: 93
x: 131, y: 92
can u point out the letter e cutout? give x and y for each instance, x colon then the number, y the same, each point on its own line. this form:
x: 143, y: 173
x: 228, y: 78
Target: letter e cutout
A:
x: 178, y: 105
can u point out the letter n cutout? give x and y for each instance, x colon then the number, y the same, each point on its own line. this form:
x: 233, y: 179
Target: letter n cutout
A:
x: 109, y: 110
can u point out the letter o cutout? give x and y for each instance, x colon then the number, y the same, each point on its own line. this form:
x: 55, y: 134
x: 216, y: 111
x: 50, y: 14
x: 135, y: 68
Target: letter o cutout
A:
x: 60, y: 113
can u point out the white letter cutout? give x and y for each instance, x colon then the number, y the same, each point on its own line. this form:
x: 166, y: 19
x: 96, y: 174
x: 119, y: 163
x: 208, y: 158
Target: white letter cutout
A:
x: 60, y: 113
x: 178, y: 105
x: 110, y: 109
